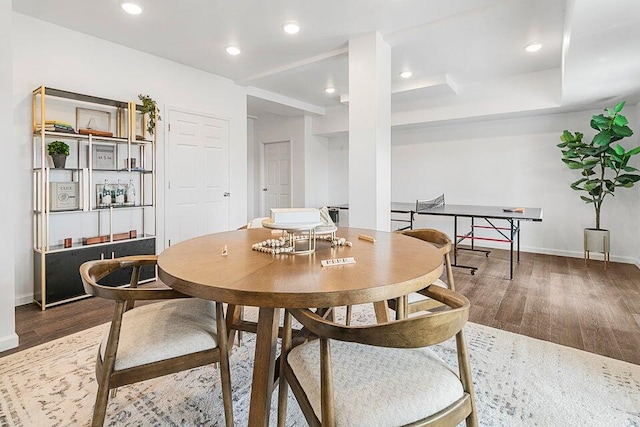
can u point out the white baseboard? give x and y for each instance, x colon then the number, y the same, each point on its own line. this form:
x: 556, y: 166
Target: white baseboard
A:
x: 575, y: 254
x: 8, y: 342
x: 23, y: 299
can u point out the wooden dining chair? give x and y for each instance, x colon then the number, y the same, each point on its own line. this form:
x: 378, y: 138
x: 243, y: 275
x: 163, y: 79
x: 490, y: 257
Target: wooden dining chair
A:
x: 382, y: 374
x: 418, y: 301
x: 155, y: 339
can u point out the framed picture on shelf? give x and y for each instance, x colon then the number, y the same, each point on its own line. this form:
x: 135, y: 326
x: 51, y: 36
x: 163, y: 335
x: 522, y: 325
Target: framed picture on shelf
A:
x: 104, y: 156
x: 64, y: 196
x: 93, y: 121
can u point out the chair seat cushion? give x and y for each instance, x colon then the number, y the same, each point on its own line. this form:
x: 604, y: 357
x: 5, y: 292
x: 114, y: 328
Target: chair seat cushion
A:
x: 164, y: 330
x: 415, y: 296
x: 377, y: 386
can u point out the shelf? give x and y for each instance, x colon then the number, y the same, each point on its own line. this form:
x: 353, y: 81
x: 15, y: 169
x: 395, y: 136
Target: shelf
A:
x: 95, y: 209
x: 80, y: 97
x: 142, y: 171
x: 78, y: 245
x: 120, y: 207
x: 78, y: 136
x: 66, y: 211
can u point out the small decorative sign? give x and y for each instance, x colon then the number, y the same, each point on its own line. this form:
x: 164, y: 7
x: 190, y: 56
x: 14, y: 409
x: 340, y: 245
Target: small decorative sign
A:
x: 104, y: 156
x: 64, y: 196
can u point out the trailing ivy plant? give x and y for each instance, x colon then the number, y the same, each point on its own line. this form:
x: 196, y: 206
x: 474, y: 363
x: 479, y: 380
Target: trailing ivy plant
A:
x: 604, y: 166
x: 150, y: 108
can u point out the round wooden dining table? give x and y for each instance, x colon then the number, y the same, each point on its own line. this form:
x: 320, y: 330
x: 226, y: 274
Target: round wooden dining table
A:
x: 224, y: 267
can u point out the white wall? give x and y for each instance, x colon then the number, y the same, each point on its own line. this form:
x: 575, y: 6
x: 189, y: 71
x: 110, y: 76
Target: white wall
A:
x: 8, y: 173
x: 510, y: 162
x: 338, y: 170
x: 253, y: 191
x: 51, y: 55
x: 274, y: 128
x: 309, y: 154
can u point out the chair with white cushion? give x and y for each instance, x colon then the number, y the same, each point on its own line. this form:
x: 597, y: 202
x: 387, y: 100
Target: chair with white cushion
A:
x: 417, y: 301
x: 155, y: 339
x: 382, y: 375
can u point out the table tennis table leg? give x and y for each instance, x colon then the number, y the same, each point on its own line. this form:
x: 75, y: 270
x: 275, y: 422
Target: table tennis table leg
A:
x: 511, y: 251
x: 518, y: 222
x: 455, y: 248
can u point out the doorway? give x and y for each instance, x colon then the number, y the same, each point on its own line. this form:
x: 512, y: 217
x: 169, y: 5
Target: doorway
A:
x: 276, y: 176
x: 197, y: 176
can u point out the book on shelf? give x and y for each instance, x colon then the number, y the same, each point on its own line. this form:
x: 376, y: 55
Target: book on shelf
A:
x: 56, y: 128
x: 58, y: 122
x: 516, y: 210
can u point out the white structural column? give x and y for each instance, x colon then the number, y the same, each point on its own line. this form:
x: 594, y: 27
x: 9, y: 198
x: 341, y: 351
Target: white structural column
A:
x: 316, y: 159
x: 369, y: 132
x: 8, y: 174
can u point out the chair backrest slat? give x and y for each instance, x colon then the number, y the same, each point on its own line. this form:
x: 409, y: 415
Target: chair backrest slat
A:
x: 436, y: 237
x: 414, y: 332
x: 93, y: 271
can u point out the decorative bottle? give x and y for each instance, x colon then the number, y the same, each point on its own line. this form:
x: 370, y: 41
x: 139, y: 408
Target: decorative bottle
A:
x: 120, y: 194
x: 131, y: 193
x: 106, y: 194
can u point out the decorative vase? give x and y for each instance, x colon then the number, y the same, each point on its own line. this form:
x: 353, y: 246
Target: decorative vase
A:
x: 59, y: 160
x: 596, y: 240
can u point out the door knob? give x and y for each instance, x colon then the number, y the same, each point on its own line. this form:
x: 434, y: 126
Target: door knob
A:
x: 226, y: 194
x: 264, y: 189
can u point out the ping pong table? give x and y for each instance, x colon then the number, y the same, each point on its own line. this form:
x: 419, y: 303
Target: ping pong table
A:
x: 510, y: 233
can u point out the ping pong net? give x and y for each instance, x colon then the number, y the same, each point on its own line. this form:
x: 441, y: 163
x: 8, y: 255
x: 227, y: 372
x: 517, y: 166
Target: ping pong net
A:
x: 423, y: 205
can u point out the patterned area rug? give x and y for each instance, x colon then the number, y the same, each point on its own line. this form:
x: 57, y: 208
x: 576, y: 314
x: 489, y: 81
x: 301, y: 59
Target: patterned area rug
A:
x: 519, y: 381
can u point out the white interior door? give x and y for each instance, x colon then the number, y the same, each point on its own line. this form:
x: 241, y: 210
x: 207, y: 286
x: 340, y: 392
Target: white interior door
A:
x: 198, y: 176
x: 277, y: 176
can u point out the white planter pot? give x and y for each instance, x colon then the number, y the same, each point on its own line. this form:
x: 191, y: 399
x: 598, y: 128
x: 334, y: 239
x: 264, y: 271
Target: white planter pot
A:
x: 596, y: 241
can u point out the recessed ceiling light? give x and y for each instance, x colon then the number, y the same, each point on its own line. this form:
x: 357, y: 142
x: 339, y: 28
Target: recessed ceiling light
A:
x: 406, y: 74
x: 131, y: 8
x: 232, y: 50
x: 291, y: 28
x: 330, y: 90
x: 533, y: 47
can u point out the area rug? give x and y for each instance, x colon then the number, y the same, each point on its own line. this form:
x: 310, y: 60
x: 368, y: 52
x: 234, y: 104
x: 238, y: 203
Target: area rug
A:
x: 519, y: 381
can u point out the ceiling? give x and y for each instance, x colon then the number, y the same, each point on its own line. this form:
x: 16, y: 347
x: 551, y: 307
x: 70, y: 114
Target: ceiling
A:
x: 449, y: 46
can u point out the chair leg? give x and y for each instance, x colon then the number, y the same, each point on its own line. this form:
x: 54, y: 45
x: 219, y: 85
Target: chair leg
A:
x: 283, y: 387
x: 348, y: 316
x: 447, y: 261
x: 100, y: 408
x: 225, y: 374
x: 114, y: 392
x: 108, y: 365
x: 465, y: 377
x: 240, y: 332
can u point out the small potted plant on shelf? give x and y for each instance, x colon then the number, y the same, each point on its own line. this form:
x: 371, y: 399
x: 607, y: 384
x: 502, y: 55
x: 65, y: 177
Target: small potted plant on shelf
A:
x: 150, y: 108
x: 58, y: 151
x: 603, y: 165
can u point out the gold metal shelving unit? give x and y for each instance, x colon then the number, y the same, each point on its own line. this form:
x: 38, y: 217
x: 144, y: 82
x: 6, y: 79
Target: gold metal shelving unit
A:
x: 56, y: 278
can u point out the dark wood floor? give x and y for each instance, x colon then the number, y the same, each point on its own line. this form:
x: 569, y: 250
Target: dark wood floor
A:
x: 551, y: 298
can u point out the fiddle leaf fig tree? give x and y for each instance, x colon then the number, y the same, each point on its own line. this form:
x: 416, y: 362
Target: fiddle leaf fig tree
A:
x: 603, y: 163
